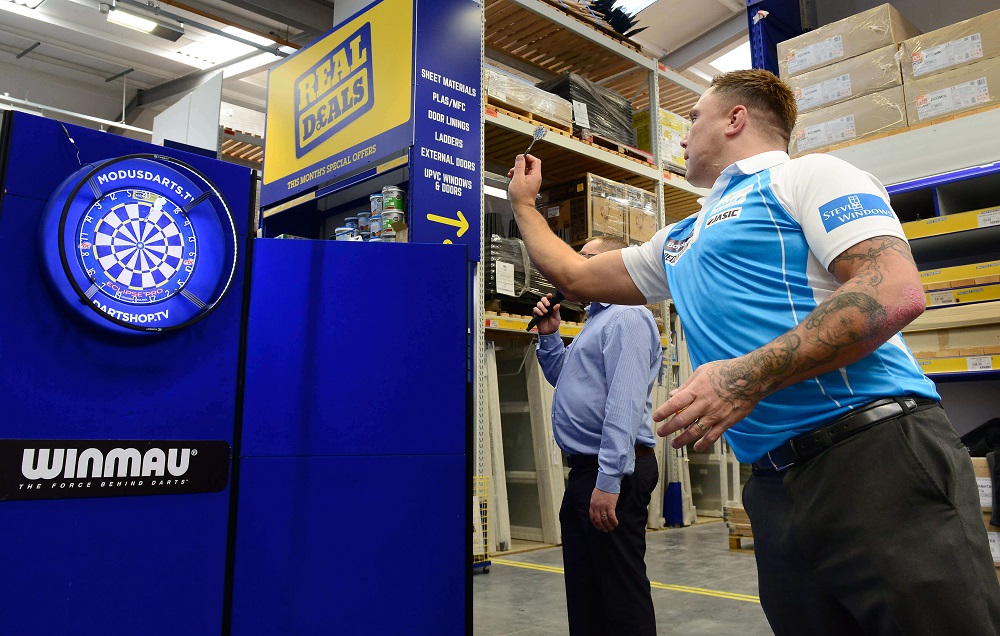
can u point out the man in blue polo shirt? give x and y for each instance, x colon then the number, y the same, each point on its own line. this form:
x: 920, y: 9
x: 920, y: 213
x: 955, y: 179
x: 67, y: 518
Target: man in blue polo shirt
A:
x: 793, y: 283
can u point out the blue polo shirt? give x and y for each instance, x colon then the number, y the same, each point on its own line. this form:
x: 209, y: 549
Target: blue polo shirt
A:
x: 753, y: 264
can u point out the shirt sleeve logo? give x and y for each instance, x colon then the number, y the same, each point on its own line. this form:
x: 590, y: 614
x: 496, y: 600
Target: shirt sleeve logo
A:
x: 852, y: 207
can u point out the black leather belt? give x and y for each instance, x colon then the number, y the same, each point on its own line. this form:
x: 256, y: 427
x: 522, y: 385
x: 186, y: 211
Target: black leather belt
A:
x: 810, y: 444
x: 581, y: 461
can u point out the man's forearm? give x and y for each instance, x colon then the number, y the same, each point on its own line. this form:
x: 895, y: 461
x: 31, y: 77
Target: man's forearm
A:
x: 843, y: 329
x: 549, y: 253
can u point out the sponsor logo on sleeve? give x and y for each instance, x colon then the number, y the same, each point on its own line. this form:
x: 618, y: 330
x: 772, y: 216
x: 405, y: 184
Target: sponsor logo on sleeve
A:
x: 852, y: 208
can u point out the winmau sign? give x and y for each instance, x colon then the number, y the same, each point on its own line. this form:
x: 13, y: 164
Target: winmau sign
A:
x: 58, y: 469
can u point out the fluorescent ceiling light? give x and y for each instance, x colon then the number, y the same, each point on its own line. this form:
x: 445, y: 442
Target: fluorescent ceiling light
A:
x: 736, y: 59
x: 215, y: 49
x: 700, y: 73
x: 490, y: 191
x: 165, y: 30
x: 31, y: 4
x: 632, y: 7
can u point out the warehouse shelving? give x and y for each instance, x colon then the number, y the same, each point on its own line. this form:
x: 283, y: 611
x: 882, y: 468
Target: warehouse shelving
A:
x: 541, y: 40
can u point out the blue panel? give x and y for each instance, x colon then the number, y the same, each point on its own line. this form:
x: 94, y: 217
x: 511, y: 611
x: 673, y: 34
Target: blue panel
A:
x: 445, y: 169
x: 355, y: 348
x: 351, y: 545
x: 945, y: 177
x: 783, y: 21
x: 127, y: 565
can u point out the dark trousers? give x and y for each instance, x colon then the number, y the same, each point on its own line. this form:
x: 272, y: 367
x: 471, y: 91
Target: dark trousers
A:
x: 880, y: 534
x: 607, y: 591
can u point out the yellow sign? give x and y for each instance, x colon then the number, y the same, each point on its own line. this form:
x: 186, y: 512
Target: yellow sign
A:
x: 345, y: 89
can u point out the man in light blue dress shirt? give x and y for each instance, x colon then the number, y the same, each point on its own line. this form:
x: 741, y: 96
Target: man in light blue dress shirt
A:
x: 601, y: 419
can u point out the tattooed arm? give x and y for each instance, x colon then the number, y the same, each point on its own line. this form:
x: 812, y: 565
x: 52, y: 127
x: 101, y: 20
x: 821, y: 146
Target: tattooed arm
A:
x: 880, y: 293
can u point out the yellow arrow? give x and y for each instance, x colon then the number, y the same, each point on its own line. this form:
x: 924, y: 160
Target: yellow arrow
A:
x: 460, y: 223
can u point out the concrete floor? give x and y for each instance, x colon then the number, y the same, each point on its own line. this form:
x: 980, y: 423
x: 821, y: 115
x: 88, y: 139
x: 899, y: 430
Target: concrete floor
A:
x: 699, y: 586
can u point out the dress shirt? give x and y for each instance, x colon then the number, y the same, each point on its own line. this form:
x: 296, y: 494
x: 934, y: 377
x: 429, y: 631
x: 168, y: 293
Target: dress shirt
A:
x: 602, y: 387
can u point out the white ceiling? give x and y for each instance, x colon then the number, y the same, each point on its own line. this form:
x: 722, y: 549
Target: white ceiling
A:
x: 79, y: 49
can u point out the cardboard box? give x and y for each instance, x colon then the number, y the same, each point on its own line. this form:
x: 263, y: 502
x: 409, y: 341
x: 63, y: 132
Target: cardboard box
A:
x: 588, y: 207
x: 843, y: 39
x: 848, y: 121
x: 673, y: 128
x: 955, y: 91
x: 956, y: 45
x: 641, y: 215
x: 867, y: 73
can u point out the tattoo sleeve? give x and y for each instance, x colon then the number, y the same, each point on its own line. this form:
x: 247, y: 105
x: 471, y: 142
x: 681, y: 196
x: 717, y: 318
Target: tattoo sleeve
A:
x: 875, y: 300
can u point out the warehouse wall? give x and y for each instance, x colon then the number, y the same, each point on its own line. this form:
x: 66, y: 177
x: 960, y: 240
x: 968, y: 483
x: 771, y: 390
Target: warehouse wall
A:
x: 927, y: 15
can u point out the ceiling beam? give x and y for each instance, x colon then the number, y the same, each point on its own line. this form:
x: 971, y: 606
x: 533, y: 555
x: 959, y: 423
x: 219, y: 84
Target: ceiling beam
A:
x: 726, y: 33
x: 305, y: 15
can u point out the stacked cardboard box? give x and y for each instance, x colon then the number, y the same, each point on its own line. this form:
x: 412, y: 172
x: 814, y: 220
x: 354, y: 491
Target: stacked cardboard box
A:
x: 850, y: 120
x: 641, y: 214
x: 952, y: 69
x: 846, y: 79
x: 586, y: 208
x: 847, y: 38
x: 870, y: 72
x: 673, y: 128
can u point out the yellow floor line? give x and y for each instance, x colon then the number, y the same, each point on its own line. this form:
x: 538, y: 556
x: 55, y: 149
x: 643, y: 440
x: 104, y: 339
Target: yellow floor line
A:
x: 732, y: 596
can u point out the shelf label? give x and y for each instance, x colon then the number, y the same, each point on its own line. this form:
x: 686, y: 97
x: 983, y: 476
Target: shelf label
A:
x: 940, y: 57
x: 985, y: 491
x: 817, y: 54
x: 946, y: 100
x: 989, y: 218
x: 580, y: 116
x: 824, y: 92
x: 940, y: 298
x: 505, y: 278
x: 980, y: 363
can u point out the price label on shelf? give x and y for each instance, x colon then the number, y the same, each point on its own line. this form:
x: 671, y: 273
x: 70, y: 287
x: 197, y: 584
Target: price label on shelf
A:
x: 989, y: 218
x: 940, y: 298
x: 980, y: 363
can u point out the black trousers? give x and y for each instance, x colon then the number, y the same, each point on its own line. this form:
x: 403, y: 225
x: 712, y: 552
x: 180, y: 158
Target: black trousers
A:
x: 880, y: 534
x: 607, y: 590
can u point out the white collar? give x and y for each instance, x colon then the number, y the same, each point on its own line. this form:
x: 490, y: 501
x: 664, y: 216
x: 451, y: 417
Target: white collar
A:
x: 757, y: 163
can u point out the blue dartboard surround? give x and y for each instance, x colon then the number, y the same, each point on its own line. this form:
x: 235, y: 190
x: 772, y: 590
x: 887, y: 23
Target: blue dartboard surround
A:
x: 138, y: 244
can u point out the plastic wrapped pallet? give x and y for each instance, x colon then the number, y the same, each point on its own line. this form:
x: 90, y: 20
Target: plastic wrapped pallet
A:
x: 673, y: 127
x: 511, y: 276
x: 847, y: 121
x: 867, y: 73
x: 520, y: 96
x: 588, y: 207
x: 957, y: 45
x: 595, y: 108
x: 951, y: 92
x: 843, y: 39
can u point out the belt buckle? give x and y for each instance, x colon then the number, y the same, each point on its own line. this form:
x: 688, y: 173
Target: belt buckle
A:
x: 775, y: 465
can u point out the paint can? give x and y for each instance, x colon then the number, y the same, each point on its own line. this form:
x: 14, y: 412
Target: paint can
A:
x: 388, y: 235
x: 351, y: 221
x: 393, y: 198
x: 375, y: 225
x: 392, y: 216
x: 376, y: 202
x: 343, y: 233
x: 364, y: 222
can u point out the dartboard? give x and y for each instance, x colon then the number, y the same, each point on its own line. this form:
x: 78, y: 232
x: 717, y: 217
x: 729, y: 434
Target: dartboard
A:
x: 137, y: 246
x: 146, y: 242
